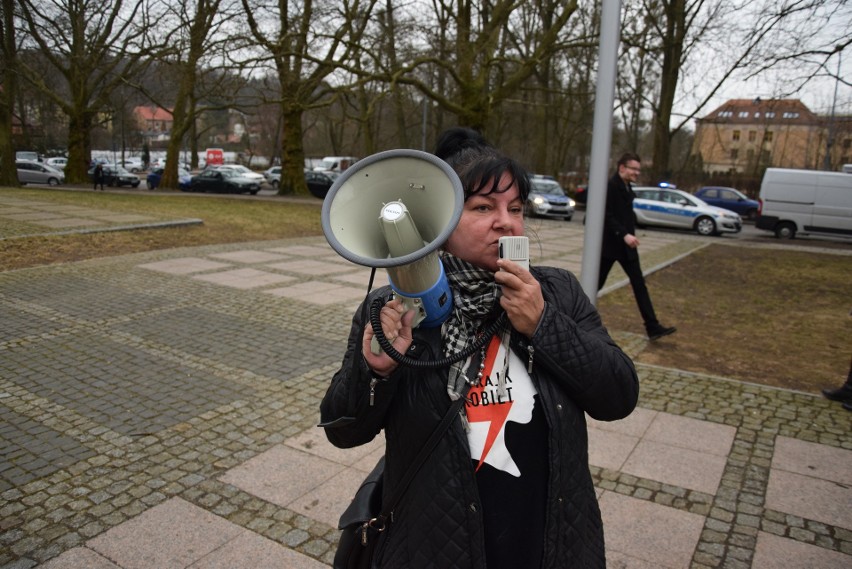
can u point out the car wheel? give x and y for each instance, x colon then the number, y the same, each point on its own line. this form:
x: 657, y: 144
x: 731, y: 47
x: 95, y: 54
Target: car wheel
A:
x: 568, y: 218
x: 785, y: 230
x: 705, y: 226
x: 275, y: 184
x: 52, y: 182
x: 254, y: 193
x: 751, y: 214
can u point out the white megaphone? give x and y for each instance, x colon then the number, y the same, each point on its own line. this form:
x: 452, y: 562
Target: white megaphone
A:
x: 394, y: 210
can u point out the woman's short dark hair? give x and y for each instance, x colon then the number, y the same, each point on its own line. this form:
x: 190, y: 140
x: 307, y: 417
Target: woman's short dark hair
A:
x: 478, y: 164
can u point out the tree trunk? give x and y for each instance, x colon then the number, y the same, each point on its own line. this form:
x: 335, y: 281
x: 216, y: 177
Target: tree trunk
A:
x: 292, y: 153
x: 672, y: 53
x: 8, y: 172
x: 79, y: 147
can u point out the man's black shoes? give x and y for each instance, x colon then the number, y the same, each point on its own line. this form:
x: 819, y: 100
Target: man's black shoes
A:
x: 660, y: 331
x: 843, y: 393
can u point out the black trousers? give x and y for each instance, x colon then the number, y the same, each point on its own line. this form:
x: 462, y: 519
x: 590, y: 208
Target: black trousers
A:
x: 631, y: 266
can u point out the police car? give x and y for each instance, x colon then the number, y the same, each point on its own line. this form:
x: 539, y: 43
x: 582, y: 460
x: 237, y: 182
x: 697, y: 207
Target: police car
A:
x: 667, y: 207
x: 548, y: 199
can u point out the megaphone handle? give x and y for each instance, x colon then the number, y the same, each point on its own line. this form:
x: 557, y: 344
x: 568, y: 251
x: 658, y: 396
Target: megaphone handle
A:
x: 495, y: 326
x: 407, y: 304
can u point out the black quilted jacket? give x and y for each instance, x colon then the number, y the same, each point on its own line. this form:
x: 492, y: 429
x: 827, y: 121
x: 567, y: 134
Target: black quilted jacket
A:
x: 576, y: 368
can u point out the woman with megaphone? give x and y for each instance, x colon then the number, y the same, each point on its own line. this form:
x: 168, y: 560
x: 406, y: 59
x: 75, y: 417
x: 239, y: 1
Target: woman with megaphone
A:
x: 504, y: 482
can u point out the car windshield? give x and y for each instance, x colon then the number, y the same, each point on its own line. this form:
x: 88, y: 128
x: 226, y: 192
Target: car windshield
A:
x: 122, y: 172
x: 547, y: 187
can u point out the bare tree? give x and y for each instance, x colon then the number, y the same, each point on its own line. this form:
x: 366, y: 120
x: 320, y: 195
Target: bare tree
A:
x: 197, y: 32
x: 480, y: 56
x: 304, y: 43
x: 708, y: 43
x: 94, y: 45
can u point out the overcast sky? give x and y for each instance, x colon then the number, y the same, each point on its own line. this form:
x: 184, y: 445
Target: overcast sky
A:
x: 702, y: 74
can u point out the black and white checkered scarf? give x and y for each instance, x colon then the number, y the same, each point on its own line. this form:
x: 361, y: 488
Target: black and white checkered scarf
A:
x: 474, y: 295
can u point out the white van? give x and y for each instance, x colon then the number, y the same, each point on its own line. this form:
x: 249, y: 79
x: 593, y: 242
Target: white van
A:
x: 335, y: 163
x: 805, y: 202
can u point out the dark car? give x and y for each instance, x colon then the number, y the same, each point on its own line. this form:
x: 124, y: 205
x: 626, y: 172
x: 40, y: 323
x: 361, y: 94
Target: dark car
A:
x: 731, y: 199
x: 154, y: 177
x: 320, y: 182
x: 580, y: 194
x: 222, y: 182
x: 116, y: 176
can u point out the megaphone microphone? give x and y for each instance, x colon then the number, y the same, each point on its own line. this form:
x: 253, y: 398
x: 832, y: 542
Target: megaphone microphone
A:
x: 418, y: 199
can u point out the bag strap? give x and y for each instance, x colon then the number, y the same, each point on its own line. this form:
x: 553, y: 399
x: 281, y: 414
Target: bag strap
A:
x: 380, y: 521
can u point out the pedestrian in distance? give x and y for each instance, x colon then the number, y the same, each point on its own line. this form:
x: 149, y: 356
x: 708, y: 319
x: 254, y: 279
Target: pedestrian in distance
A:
x: 98, y: 176
x: 621, y: 245
x: 508, y: 484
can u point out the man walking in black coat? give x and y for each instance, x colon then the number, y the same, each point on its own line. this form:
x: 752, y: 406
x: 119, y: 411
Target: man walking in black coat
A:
x: 621, y: 244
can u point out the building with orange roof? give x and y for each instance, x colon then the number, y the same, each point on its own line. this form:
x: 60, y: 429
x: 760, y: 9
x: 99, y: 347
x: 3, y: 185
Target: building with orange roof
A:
x: 155, y: 123
x: 746, y: 136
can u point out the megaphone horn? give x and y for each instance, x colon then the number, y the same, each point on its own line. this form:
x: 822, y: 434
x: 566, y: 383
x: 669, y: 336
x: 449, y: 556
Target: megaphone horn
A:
x: 418, y: 200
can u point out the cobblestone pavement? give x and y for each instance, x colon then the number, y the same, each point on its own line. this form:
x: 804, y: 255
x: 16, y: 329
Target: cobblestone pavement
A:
x: 184, y: 385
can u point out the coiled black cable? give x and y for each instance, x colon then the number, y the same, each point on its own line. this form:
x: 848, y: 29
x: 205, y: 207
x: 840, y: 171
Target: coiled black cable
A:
x: 375, y: 321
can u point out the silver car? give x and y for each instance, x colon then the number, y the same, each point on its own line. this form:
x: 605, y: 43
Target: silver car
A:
x: 675, y: 208
x: 30, y: 172
x: 548, y: 199
x: 242, y: 172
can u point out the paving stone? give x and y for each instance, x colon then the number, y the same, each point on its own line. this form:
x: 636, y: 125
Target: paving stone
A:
x: 126, y: 384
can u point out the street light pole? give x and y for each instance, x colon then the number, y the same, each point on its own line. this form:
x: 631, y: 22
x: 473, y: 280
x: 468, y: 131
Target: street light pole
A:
x: 601, y: 140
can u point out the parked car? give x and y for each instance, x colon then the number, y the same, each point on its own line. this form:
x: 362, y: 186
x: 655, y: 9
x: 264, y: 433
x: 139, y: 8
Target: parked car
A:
x: 30, y: 172
x: 243, y: 172
x: 222, y: 181
x: 154, y: 177
x: 58, y: 162
x: 320, y: 182
x: 729, y: 198
x: 273, y: 176
x: 581, y: 194
x: 548, y: 199
x: 116, y: 176
x: 134, y: 165
x: 675, y: 208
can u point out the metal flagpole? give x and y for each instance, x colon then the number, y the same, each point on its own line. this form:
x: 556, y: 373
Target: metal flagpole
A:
x: 601, y: 140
